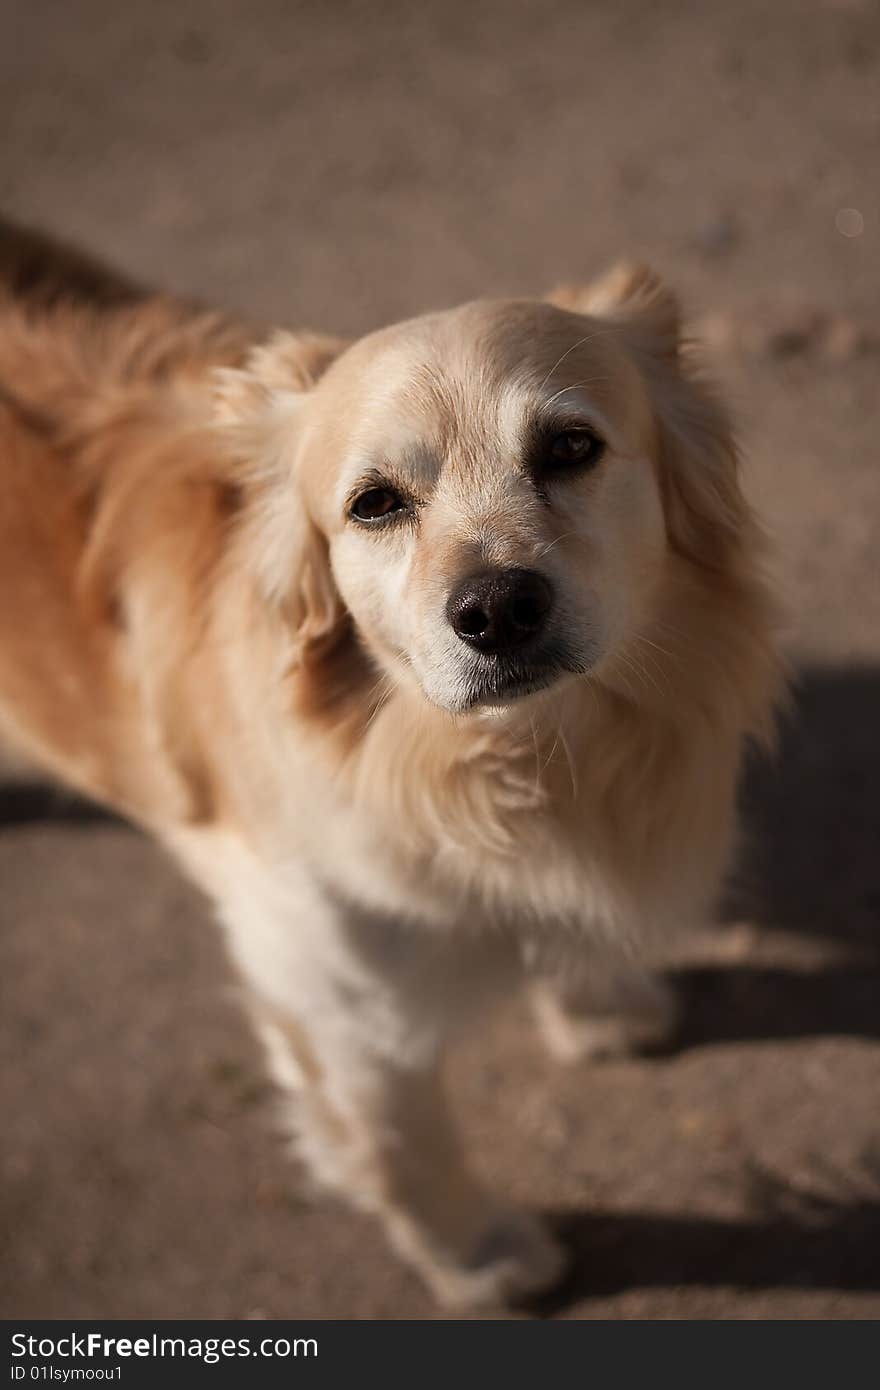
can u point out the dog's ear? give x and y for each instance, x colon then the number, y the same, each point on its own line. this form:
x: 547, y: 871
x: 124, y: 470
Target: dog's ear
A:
x: 259, y: 408
x: 706, y: 516
x: 633, y: 296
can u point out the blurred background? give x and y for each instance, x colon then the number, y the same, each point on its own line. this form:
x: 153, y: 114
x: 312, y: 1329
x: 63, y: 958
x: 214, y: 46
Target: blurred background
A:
x: 336, y: 164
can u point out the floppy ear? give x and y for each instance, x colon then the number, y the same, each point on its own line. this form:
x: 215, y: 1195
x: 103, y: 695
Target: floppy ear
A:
x: 706, y: 516
x: 259, y: 408
x: 634, y: 296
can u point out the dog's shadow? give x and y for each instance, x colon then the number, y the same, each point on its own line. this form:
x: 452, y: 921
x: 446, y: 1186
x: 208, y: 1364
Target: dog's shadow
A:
x: 812, y: 866
x: 753, y: 1003
x: 812, y: 814
x: 25, y: 802
x: 803, y: 1243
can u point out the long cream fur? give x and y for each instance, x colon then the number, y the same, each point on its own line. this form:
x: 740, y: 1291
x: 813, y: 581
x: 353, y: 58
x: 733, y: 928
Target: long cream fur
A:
x: 190, y: 631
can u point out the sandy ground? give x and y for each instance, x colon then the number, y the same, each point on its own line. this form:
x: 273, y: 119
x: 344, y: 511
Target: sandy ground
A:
x: 343, y: 164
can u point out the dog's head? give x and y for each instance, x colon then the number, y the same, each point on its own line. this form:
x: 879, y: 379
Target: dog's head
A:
x: 489, y: 497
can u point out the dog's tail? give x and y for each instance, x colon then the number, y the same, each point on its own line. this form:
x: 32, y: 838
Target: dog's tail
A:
x: 40, y: 272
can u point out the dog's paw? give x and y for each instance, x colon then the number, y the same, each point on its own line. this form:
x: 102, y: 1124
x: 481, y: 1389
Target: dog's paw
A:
x: 647, y: 1024
x: 515, y: 1258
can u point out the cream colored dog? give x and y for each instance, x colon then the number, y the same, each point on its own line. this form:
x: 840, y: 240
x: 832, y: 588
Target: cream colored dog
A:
x: 431, y: 658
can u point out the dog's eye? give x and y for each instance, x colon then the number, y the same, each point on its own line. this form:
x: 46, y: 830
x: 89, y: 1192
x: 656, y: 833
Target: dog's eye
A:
x: 376, y: 504
x: 574, y: 448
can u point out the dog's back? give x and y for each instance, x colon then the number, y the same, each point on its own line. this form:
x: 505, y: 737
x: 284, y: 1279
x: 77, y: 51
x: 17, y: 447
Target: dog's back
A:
x: 98, y: 384
x: 41, y: 271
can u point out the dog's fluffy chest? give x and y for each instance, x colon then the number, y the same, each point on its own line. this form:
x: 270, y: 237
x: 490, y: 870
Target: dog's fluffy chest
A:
x: 504, y: 828
x: 445, y: 882
x: 501, y: 837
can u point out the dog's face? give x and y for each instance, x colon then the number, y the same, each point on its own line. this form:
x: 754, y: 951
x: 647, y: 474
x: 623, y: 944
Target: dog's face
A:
x: 489, y: 497
x: 488, y: 493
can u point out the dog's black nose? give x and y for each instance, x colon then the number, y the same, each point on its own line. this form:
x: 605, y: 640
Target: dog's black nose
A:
x: 499, y: 609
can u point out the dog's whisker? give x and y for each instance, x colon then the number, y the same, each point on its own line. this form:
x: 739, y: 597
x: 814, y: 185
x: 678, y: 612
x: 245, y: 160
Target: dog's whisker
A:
x: 642, y: 672
x: 571, y: 768
x: 575, y: 386
x: 657, y: 665
x: 381, y: 703
x: 545, y: 550
x: 581, y: 342
x: 640, y: 637
x: 551, y: 756
x: 622, y: 657
x: 537, y: 755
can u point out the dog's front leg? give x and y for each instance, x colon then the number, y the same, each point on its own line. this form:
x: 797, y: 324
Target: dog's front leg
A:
x: 353, y: 1015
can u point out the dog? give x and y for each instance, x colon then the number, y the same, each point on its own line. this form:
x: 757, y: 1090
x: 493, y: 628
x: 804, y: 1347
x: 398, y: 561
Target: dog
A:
x: 431, y: 657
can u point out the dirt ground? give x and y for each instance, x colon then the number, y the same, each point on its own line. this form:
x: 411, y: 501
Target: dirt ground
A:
x: 338, y: 165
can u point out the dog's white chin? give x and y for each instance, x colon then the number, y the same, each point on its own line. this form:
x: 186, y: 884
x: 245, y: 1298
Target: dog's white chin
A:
x: 467, y: 698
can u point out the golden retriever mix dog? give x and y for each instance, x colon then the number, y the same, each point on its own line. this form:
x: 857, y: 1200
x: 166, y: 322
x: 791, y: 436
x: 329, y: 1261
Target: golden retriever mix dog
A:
x: 431, y: 657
